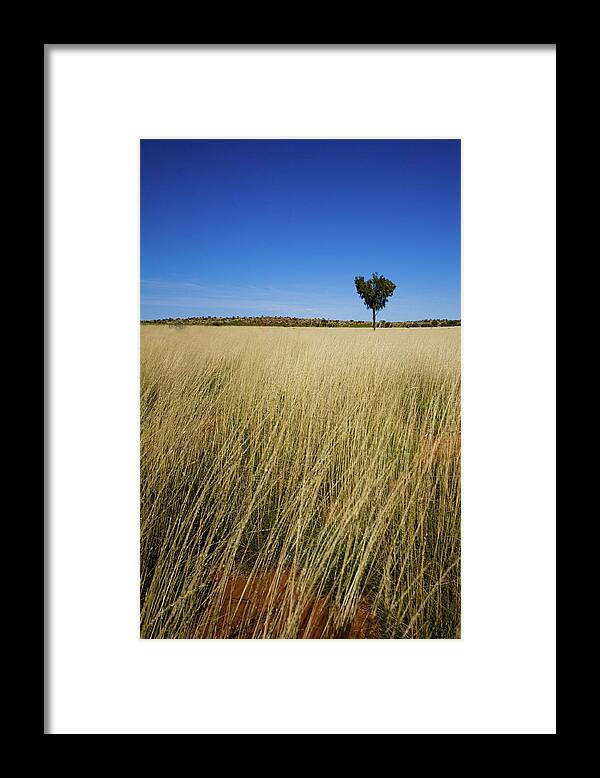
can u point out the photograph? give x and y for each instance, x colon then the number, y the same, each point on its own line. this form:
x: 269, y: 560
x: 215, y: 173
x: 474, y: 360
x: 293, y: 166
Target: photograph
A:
x: 300, y: 388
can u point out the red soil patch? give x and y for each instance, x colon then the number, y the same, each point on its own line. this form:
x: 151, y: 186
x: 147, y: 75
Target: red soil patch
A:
x: 261, y: 605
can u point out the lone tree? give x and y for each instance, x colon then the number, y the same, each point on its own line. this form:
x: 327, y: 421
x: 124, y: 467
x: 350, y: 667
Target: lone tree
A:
x: 374, y: 292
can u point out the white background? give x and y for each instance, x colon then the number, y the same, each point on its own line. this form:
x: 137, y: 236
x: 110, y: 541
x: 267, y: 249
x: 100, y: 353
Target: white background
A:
x: 499, y: 678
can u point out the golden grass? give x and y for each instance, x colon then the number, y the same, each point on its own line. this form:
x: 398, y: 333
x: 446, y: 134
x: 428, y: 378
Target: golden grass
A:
x: 330, y: 457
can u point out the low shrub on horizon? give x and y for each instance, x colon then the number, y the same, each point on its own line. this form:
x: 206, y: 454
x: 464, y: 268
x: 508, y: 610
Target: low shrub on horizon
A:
x: 289, y: 321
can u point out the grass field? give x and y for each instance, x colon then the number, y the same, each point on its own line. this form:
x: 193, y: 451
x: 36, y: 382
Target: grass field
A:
x: 300, y: 483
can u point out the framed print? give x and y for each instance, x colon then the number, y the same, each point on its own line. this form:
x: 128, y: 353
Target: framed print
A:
x: 301, y: 429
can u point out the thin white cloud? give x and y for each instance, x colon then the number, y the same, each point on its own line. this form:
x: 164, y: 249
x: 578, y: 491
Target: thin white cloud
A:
x: 196, y: 298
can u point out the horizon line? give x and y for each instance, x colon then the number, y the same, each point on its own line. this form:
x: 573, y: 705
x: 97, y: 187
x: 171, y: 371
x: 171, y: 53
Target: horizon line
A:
x: 297, y: 318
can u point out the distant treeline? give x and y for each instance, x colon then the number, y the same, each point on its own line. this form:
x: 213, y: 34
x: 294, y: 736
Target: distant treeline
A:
x: 290, y: 321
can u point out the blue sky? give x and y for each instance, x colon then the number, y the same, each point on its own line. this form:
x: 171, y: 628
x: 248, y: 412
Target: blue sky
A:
x: 279, y: 228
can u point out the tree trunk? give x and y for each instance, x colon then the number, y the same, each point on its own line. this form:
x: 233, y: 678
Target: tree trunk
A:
x: 373, y: 319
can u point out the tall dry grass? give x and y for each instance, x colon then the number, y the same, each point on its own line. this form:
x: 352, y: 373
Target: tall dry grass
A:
x: 328, y: 456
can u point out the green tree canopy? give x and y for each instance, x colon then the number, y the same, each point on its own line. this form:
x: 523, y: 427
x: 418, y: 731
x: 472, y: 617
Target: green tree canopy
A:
x: 374, y: 292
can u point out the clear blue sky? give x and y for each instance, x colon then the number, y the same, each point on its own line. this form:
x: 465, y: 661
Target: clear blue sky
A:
x: 281, y: 228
